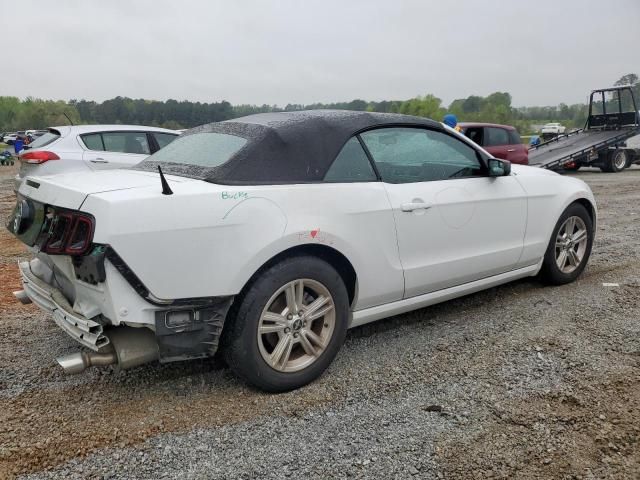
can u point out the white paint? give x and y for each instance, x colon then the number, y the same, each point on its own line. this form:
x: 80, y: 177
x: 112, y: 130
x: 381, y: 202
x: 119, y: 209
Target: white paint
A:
x: 196, y: 243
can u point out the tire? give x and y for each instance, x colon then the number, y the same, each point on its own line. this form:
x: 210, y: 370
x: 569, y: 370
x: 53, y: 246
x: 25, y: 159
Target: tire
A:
x: 616, y: 161
x: 551, y: 271
x: 630, y: 159
x: 265, y: 360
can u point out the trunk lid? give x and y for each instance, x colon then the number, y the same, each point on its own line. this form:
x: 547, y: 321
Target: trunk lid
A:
x: 70, y: 190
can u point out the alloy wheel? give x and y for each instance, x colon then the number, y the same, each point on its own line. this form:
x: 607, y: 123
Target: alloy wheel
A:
x: 296, y: 325
x: 571, y: 244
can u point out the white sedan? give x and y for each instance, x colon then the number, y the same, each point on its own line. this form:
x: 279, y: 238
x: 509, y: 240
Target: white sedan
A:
x: 270, y: 235
x: 553, y: 128
x: 90, y: 147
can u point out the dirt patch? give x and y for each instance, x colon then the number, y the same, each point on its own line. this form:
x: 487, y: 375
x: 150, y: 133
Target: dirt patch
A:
x: 589, y: 434
x: 9, y: 282
x: 40, y: 432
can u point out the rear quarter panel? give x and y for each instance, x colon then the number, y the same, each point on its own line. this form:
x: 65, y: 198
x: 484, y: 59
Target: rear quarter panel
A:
x: 208, y: 240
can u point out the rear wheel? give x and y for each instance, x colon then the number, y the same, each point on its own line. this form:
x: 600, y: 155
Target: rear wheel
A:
x: 616, y: 161
x: 288, y: 325
x: 570, y: 246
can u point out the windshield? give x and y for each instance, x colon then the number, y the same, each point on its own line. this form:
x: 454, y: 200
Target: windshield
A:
x: 200, y: 150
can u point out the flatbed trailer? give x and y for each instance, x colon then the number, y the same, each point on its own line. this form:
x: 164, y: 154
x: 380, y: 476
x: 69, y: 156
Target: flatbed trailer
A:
x: 601, y: 143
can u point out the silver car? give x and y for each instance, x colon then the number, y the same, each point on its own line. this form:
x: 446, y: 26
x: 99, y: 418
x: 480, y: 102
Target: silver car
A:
x: 90, y: 147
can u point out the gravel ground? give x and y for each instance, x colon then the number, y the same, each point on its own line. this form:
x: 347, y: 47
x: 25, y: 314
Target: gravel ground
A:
x: 521, y: 381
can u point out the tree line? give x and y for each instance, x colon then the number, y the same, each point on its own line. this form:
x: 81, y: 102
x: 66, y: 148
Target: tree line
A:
x: 32, y: 113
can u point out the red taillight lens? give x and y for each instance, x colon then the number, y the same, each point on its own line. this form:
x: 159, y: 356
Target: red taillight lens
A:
x: 71, y: 233
x: 39, y: 156
x: 80, y: 238
x: 59, y: 233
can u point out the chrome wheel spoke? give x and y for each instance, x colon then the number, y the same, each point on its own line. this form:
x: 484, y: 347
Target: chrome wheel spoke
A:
x: 580, y: 236
x: 277, y: 323
x: 294, y: 294
x: 306, y: 344
x: 281, y: 353
x: 313, y: 338
x: 318, y: 308
x: 562, y: 259
x: 574, y: 260
x: 570, y: 226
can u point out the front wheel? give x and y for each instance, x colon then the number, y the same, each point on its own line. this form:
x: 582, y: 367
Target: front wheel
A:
x: 570, y: 246
x: 288, y: 325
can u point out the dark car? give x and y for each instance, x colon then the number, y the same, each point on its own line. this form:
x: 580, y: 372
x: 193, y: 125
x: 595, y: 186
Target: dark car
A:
x: 501, y: 141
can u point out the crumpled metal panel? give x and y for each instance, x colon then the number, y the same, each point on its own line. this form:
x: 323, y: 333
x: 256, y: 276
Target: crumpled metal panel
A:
x: 85, y: 331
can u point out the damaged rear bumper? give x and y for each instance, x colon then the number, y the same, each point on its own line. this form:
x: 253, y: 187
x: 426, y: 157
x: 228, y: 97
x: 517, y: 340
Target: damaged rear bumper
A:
x: 85, y: 331
x: 196, y: 336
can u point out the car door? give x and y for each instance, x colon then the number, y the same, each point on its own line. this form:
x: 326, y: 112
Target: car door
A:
x: 121, y: 149
x: 516, y: 151
x: 496, y: 142
x: 454, y: 223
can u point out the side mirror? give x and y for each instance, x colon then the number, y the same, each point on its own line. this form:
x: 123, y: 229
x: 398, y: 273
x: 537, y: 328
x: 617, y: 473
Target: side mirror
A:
x: 499, y: 168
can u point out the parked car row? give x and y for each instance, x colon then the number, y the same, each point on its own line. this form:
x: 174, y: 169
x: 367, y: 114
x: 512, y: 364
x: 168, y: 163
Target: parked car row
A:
x: 27, y: 136
x: 268, y: 236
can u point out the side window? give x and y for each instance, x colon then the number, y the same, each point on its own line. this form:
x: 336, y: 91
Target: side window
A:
x: 351, y: 165
x: 496, y: 136
x: 126, y: 142
x: 406, y: 155
x: 164, y: 139
x: 93, y: 141
x: 475, y: 134
x: 514, y: 137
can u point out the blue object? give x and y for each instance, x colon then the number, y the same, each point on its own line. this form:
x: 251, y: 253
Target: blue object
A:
x: 450, y: 120
x: 534, y: 140
x: 18, y: 145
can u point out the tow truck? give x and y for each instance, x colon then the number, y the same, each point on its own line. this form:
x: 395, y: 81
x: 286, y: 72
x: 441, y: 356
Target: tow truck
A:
x: 613, y: 118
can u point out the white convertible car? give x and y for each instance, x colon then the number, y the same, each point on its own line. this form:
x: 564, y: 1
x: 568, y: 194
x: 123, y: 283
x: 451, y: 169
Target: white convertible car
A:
x: 270, y: 235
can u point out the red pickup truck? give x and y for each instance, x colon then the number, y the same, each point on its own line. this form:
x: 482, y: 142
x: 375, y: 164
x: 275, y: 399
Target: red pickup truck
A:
x: 501, y: 141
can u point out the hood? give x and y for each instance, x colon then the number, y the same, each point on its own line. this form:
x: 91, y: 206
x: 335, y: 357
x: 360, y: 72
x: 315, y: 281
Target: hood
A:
x: 69, y: 190
x: 524, y: 170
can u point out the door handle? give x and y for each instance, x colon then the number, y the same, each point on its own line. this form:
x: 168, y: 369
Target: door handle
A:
x: 99, y: 160
x: 411, y: 206
x: 511, y: 150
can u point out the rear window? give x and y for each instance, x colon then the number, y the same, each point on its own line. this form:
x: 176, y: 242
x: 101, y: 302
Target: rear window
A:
x: 514, y: 136
x: 44, y: 140
x: 200, y: 150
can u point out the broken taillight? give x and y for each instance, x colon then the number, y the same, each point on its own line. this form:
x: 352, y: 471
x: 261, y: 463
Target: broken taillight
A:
x: 70, y: 233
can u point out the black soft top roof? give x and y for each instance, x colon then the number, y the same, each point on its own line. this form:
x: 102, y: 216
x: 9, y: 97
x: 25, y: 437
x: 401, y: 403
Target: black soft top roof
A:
x: 286, y: 147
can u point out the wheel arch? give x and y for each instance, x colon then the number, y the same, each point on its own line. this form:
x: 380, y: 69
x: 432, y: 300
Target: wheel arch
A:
x: 590, y: 207
x: 333, y: 257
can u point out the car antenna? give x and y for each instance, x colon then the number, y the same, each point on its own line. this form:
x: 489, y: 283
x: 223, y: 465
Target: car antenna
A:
x: 166, y: 190
x: 68, y: 118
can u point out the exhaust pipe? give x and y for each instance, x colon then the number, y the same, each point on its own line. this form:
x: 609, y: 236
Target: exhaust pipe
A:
x: 22, y: 296
x: 78, y: 362
x: 130, y: 347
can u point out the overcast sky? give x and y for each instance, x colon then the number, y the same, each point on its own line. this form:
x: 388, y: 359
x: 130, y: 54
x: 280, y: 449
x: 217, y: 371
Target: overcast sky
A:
x: 287, y: 51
